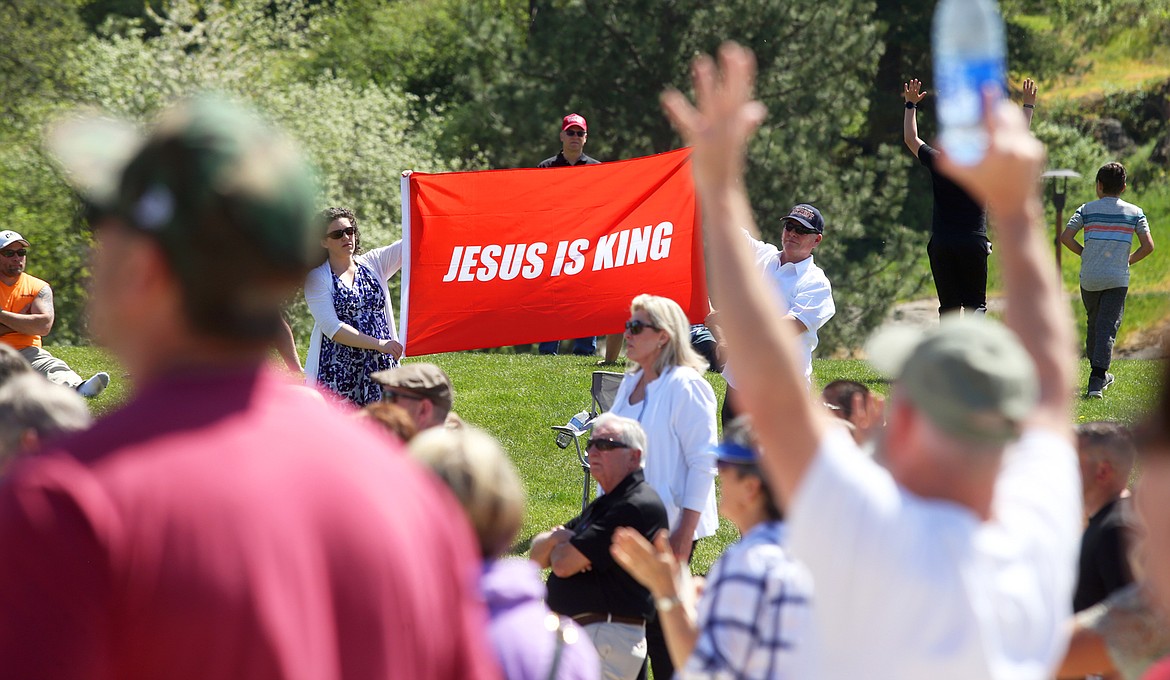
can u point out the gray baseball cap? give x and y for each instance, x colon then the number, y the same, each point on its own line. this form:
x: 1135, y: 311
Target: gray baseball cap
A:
x: 427, y: 380
x: 970, y: 376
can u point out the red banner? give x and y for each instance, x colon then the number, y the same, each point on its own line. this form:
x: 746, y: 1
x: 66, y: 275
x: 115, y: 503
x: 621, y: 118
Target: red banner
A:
x: 504, y: 257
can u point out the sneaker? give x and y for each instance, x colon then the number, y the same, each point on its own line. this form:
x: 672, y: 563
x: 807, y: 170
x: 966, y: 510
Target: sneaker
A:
x: 94, y: 386
x: 1097, y: 386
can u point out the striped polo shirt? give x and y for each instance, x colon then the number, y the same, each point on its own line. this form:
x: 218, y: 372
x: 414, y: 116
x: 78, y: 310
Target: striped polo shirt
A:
x: 1109, y: 224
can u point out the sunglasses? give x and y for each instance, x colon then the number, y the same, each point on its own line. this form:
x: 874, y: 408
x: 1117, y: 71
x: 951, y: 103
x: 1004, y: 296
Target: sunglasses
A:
x: 636, y: 326
x: 14, y: 253
x: 575, y: 133
x: 606, y: 444
x: 336, y: 235
x: 393, y: 396
x: 802, y: 230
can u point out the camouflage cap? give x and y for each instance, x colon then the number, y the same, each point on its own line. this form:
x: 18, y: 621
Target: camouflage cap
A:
x: 970, y: 376
x: 206, y: 159
x: 424, y: 379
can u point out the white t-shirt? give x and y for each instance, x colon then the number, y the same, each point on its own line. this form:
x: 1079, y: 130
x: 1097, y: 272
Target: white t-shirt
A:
x: 910, y: 588
x: 804, y: 292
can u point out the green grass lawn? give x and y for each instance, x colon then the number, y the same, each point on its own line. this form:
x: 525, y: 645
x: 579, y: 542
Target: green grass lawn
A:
x: 518, y: 397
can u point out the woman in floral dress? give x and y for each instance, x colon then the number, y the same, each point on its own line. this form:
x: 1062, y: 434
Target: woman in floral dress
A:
x: 353, y: 331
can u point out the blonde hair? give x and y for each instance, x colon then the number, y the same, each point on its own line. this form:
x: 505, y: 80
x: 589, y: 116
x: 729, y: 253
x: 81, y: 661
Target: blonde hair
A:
x: 667, y: 315
x: 483, y: 479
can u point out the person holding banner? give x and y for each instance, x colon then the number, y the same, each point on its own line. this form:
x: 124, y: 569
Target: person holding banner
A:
x: 574, y: 134
x: 675, y: 405
x: 798, y: 282
x: 353, y: 316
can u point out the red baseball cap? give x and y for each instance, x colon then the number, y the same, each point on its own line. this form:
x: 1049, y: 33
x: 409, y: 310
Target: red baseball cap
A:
x: 574, y: 119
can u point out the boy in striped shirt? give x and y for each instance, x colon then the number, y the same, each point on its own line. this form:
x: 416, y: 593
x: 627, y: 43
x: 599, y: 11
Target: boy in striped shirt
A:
x: 1109, y: 224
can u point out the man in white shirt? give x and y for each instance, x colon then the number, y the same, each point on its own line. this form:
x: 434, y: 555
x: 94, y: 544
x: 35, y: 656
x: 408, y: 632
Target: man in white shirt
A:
x: 798, y: 283
x: 958, y: 561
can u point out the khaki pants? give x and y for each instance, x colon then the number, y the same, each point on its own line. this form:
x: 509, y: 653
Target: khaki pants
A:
x: 51, y: 367
x: 621, y: 648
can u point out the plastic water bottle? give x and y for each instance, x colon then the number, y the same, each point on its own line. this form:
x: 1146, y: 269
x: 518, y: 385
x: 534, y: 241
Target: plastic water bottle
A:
x: 577, y: 423
x: 969, y: 55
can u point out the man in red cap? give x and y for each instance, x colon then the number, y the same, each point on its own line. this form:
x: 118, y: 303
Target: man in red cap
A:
x: 574, y: 134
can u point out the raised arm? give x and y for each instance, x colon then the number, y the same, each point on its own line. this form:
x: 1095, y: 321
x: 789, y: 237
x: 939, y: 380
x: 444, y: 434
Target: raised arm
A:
x: 913, y: 93
x: 774, y: 392
x: 36, y: 319
x: 659, y: 571
x: 1029, y: 88
x: 1007, y: 181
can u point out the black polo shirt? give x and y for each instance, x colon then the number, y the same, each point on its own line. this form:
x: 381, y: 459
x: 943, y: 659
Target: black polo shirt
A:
x: 955, y: 212
x: 606, y: 588
x: 1104, y: 563
x: 559, y: 161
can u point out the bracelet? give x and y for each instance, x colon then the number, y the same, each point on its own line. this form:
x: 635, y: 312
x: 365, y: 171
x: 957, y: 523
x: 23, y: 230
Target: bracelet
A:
x: 665, y: 604
x: 1029, y: 106
x: 911, y: 105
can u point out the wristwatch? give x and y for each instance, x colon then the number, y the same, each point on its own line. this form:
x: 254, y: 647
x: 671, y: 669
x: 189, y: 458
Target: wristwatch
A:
x: 665, y: 604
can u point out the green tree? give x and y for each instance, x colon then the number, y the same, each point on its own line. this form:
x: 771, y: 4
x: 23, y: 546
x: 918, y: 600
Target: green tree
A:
x: 503, y: 72
x: 359, y: 137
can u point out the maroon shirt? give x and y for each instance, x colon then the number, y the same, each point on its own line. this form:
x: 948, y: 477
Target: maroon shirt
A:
x: 223, y: 525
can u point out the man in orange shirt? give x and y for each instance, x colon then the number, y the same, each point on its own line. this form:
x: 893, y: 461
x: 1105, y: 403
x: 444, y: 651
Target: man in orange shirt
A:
x: 26, y: 314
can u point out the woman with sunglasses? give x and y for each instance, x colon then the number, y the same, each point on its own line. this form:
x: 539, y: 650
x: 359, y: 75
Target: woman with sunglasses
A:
x: 666, y: 392
x: 353, y: 316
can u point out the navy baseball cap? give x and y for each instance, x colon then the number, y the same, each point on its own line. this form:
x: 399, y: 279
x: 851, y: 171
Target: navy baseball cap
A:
x: 807, y: 215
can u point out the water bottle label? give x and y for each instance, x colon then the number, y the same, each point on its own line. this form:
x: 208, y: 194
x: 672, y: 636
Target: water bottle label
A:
x: 960, y: 87
x: 961, y: 82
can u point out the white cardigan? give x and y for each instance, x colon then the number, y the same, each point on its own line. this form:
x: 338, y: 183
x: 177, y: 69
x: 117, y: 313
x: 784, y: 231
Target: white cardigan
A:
x: 678, y: 415
x: 384, y: 262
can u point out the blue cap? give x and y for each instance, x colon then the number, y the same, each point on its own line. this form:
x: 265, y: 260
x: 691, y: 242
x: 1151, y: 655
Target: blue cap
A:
x: 732, y: 452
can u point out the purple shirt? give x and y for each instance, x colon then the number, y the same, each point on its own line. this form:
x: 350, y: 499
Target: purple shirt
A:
x: 523, y: 643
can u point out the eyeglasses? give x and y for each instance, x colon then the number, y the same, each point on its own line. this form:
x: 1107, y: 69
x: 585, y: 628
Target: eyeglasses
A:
x: 798, y: 228
x: 393, y: 396
x: 575, y: 133
x: 336, y: 235
x: 14, y: 253
x: 606, y: 444
x: 636, y: 326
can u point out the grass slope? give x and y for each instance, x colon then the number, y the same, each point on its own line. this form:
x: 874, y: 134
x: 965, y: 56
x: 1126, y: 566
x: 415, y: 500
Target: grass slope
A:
x: 517, y: 397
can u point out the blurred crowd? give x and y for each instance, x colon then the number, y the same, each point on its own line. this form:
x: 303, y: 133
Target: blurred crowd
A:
x: 226, y: 523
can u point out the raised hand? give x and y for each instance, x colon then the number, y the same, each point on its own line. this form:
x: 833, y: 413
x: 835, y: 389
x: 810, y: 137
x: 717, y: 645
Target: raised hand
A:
x: 1029, y: 88
x: 913, y: 92
x: 654, y: 566
x: 1007, y: 179
x: 723, y: 118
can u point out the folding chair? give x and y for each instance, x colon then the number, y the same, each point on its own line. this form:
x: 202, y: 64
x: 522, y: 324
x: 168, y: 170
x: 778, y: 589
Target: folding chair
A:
x: 601, y: 394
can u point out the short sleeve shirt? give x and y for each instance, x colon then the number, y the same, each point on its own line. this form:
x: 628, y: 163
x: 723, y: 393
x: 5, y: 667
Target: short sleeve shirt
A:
x: 1109, y: 224
x: 919, y: 589
x: 606, y: 588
